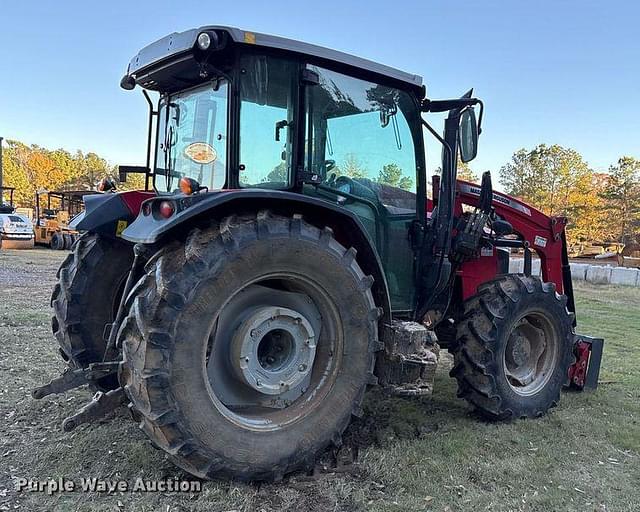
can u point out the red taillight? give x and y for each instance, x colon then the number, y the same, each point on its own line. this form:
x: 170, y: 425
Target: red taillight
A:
x: 166, y: 209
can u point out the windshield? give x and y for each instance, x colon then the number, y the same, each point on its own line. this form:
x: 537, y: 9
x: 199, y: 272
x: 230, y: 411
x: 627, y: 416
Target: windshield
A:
x: 192, y: 137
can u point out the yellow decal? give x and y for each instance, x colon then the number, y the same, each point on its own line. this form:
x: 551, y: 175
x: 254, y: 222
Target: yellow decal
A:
x: 122, y: 224
x: 249, y: 38
x: 200, y: 153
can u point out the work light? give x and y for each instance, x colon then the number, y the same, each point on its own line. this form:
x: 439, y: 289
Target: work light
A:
x: 204, y: 41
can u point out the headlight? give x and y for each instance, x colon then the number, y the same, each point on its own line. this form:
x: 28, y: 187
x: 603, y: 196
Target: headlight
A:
x: 204, y: 41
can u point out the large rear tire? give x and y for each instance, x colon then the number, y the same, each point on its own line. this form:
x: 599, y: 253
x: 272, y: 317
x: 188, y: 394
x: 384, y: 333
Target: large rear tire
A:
x: 87, y: 295
x: 514, y: 347
x: 270, y: 283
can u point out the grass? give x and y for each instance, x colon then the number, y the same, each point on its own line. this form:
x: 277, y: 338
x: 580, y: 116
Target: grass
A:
x: 429, y: 454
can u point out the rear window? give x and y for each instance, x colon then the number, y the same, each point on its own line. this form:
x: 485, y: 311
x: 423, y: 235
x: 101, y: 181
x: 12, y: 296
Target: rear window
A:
x: 14, y: 218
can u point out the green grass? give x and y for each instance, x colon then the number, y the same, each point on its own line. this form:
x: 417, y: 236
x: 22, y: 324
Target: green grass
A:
x: 429, y: 454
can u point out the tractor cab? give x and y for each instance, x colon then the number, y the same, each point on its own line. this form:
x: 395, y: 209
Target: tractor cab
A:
x: 245, y: 111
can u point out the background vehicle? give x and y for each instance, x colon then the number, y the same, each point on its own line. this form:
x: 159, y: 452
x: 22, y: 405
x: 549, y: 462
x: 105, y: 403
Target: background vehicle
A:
x: 16, y: 230
x: 289, y: 257
x: 52, y: 220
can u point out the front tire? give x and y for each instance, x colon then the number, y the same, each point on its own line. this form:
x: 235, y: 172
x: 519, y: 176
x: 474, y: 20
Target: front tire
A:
x: 197, y: 307
x: 514, y: 347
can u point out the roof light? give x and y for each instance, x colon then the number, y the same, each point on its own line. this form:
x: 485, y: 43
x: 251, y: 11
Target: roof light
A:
x: 204, y: 41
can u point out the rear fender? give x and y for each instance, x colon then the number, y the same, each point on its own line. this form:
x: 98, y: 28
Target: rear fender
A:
x: 199, y: 209
x: 109, y: 214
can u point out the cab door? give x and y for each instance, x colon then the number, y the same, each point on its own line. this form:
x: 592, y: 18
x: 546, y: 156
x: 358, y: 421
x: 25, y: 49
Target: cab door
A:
x: 359, y: 141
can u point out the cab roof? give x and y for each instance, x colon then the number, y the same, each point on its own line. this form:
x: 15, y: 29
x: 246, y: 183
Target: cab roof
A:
x: 173, y: 45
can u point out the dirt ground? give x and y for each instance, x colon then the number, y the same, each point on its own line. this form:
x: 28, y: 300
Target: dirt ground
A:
x: 429, y: 454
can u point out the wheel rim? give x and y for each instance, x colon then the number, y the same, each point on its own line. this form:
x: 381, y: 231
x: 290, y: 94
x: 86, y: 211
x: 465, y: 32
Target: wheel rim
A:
x: 273, y: 351
x: 531, y: 353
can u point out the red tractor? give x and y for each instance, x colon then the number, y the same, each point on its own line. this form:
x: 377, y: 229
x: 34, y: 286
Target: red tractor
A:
x: 288, y: 257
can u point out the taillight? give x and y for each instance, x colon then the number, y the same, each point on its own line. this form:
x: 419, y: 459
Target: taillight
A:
x: 166, y: 209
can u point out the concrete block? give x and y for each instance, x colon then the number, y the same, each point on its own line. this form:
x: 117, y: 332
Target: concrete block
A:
x: 599, y: 275
x: 624, y: 276
x: 516, y: 265
x: 535, y: 267
x: 579, y: 271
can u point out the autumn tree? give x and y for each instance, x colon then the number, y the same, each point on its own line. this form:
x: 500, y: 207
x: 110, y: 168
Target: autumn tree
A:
x: 34, y: 168
x: 557, y: 181
x: 622, y: 199
x: 465, y: 173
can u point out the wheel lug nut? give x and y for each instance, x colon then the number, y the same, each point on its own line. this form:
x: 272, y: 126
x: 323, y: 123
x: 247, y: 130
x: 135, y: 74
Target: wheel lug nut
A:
x: 258, y: 383
x: 302, y: 367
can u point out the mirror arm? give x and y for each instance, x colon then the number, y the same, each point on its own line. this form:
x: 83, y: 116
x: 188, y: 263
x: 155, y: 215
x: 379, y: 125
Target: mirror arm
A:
x: 447, y: 105
x: 480, y: 116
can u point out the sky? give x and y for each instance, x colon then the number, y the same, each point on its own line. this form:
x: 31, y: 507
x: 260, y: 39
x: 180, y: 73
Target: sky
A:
x: 562, y: 72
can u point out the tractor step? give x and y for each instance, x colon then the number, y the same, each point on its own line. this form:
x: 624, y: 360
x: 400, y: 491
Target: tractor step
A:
x: 71, y: 378
x: 100, y: 406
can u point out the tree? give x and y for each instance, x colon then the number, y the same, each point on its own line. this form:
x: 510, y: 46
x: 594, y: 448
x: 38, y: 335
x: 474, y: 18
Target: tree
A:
x: 464, y: 172
x: 391, y: 174
x: 622, y: 199
x: 351, y: 167
x: 278, y: 174
x: 32, y: 168
x: 557, y: 181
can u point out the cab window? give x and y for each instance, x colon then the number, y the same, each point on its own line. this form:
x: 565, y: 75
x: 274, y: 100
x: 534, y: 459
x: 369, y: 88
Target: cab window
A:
x: 358, y: 139
x: 267, y: 97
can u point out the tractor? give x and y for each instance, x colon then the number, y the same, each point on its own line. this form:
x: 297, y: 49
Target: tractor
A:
x: 287, y: 254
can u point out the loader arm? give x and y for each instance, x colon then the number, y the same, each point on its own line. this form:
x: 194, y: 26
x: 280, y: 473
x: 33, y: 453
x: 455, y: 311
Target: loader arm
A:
x: 539, y: 232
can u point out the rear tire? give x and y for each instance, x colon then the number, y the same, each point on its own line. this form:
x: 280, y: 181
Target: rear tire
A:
x: 87, y: 295
x: 514, y: 347
x: 174, y: 324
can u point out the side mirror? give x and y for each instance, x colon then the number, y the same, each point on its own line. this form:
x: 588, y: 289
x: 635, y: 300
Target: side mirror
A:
x: 468, y: 135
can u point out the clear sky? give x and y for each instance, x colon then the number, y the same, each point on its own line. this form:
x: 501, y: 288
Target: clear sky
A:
x: 563, y: 72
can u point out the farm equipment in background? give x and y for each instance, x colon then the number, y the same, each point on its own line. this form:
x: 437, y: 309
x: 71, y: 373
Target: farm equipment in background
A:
x: 16, y: 230
x: 630, y: 255
x: 288, y: 258
x: 52, y: 222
